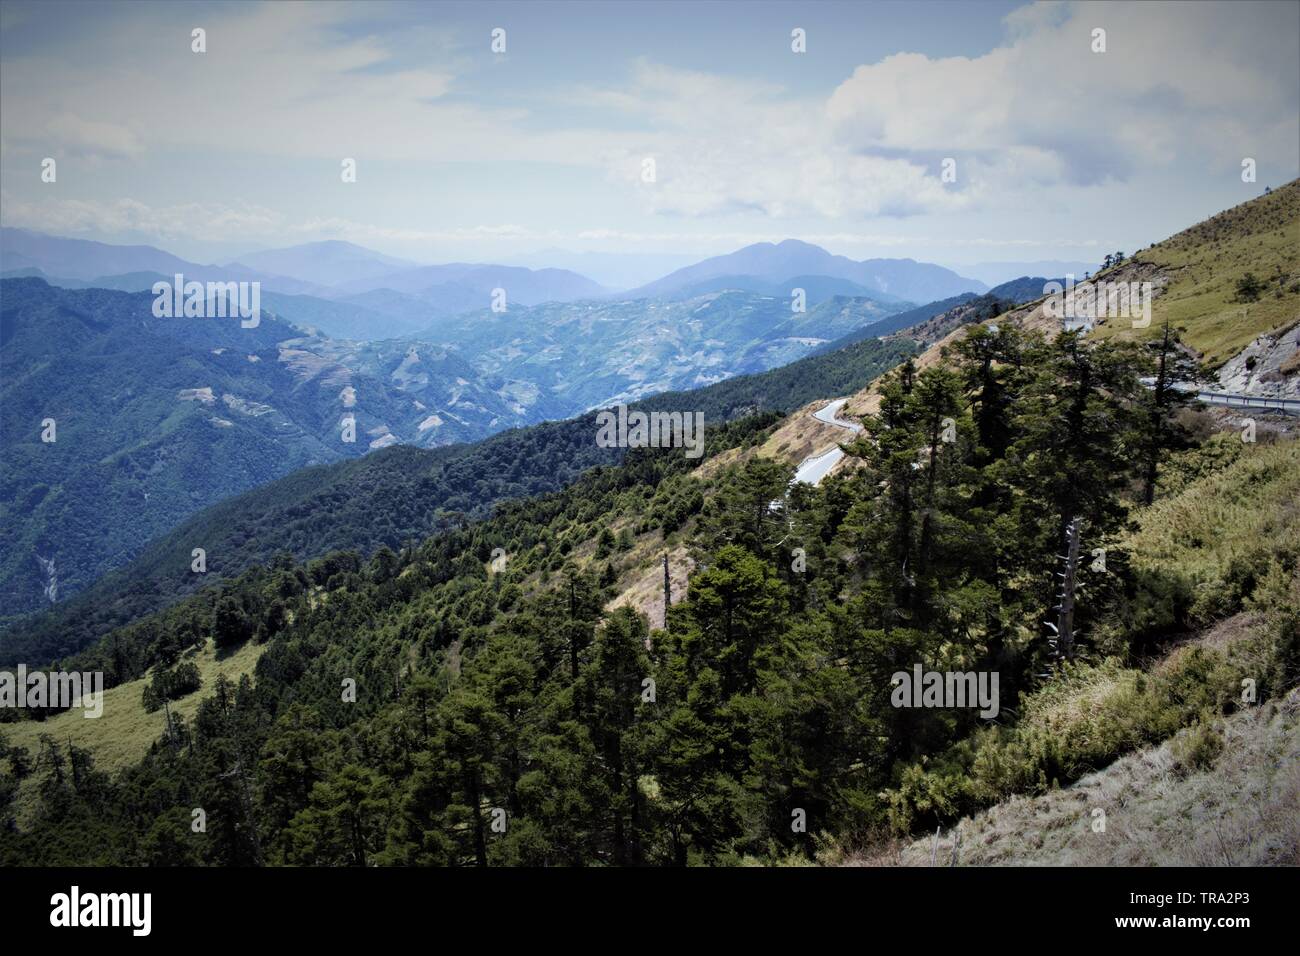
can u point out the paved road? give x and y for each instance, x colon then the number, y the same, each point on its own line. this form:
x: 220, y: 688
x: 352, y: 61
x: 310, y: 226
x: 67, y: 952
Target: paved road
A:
x: 816, y: 467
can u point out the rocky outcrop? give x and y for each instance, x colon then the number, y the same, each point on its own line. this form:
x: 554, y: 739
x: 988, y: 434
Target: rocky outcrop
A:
x: 1268, y: 367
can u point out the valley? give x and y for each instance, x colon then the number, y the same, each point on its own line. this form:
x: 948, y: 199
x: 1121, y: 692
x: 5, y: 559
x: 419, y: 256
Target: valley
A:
x: 500, y: 617
x: 278, y: 399
x: 472, y: 445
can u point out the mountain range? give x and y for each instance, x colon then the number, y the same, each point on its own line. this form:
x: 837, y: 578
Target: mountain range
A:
x: 340, y: 288
x: 775, y: 262
x: 156, y: 418
x: 159, y: 418
x: 348, y: 291
x: 499, y: 605
x: 170, y: 417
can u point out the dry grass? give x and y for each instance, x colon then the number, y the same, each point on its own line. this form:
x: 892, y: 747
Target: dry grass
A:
x: 1244, y: 810
x: 123, y: 734
x: 1254, y: 503
x: 1205, y: 262
x: 642, y: 588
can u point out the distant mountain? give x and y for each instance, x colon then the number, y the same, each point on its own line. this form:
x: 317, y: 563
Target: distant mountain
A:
x: 411, y: 312
x: 81, y: 258
x: 1024, y: 289
x: 615, y: 270
x: 997, y: 272
x: 472, y: 285
x: 84, y: 259
x: 326, y: 263
x: 903, y: 278
x: 595, y: 352
x: 156, y: 418
x: 392, y: 316
x: 817, y: 288
x: 347, y: 318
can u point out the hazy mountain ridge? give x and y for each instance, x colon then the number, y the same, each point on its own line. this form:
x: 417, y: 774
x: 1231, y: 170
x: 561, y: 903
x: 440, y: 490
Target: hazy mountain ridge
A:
x: 341, y: 288
x: 402, y: 493
x: 906, y: 279
x: 86, y: 260
x: 326, y: 263
x: 157, y: 418
x: 597, y: 352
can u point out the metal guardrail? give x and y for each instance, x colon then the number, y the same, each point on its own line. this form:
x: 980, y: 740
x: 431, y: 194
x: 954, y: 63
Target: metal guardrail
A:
x: 1228, y: 399
x: 1234, y: 399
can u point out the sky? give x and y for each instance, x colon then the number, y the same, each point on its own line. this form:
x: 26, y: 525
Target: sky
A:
x: 466, y: 154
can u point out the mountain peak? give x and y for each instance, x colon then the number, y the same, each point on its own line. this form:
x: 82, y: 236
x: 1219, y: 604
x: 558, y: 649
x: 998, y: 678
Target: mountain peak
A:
x: 779, y: 262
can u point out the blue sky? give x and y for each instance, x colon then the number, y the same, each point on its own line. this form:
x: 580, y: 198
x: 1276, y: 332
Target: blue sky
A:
x: 1061, y: 153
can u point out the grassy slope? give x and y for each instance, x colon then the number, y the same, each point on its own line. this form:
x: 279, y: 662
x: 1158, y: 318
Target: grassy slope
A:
x: 1203, y: 264
x: 122, y: 735
x: 1253, y: 502
x: 1241, y: 810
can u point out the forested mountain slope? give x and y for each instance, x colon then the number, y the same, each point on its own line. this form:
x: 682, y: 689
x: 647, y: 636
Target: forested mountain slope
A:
x: 157, y: 418
x: 404, y: 701
x: 161, y: 417
x: 402, y: 493
x: 489, y: 675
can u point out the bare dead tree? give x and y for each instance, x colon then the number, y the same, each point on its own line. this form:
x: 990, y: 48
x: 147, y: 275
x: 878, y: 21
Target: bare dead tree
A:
x: 1062, y: 638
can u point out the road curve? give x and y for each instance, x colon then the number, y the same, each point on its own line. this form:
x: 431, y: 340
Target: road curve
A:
x: 816, y: 467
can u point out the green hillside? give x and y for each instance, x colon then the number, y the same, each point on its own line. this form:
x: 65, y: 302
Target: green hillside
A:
x: 400, y: 494
x: 158, y: 418
x: 1204, y: 266
x: 489, y: 692
x: 490, y: 676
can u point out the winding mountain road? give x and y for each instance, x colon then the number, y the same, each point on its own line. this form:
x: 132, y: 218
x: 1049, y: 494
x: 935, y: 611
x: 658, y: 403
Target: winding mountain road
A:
x: 816, y: 467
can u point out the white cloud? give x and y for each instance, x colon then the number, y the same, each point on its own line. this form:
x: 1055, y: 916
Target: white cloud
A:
x: 1029, y: 123
x: 107, y: 217
x: 76, y: 135
x: 215, y: 221
x: 1177, y: 81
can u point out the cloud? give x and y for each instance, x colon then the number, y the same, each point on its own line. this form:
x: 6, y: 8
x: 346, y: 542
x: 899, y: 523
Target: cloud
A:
x: 1031, y: 124
x: 722, y: 145
x: 285, y: 80
x: 220, y: 222
x: 118, y: 216
x: 1176, y: 82
x: 88, y: 137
